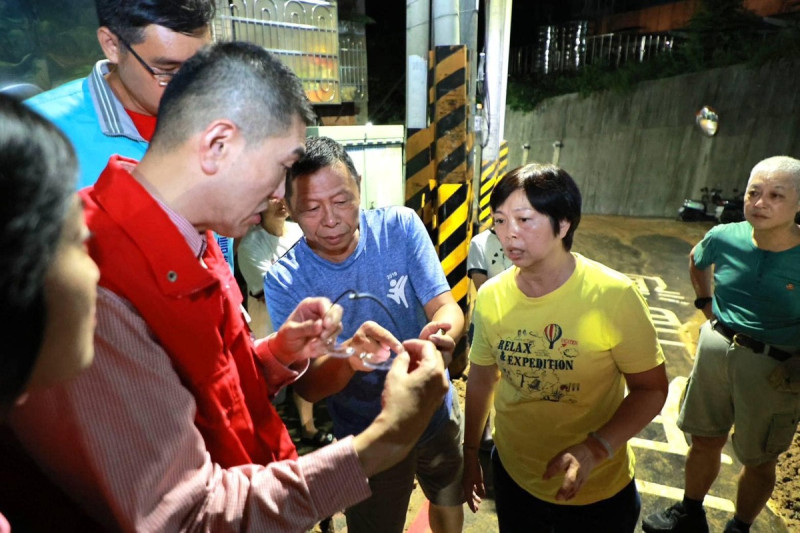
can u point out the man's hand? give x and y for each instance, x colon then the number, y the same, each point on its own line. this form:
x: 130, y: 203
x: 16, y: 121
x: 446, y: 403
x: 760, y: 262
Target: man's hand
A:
x: 372, y: 345
x: 436, y: 333
x: 414, y: 388
x: 306, y: 332
x: 577, y: 463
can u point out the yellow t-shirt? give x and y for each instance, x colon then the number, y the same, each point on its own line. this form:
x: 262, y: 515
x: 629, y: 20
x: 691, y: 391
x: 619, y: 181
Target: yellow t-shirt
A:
x: 562, y: 357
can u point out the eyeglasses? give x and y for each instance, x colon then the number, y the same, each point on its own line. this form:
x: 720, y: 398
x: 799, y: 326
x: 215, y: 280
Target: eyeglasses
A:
x: 340, y: 351
x: 163, y: 78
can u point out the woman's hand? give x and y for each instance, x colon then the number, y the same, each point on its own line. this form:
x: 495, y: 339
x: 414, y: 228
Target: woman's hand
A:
x: 576, y: 462
x: 472, y: 481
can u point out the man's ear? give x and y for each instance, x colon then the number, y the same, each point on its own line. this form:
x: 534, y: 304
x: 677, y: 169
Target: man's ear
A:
x: 216, y: 142
x: 110, y: 44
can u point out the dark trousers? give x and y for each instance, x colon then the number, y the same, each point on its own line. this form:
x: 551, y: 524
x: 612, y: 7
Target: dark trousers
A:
x: 520, y: 512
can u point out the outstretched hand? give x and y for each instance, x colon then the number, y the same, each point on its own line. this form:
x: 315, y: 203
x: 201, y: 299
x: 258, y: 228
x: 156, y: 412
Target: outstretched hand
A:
x: 307, y: 330
x: 436, y: 333
x: 414, y: 388
x: 372, y: 346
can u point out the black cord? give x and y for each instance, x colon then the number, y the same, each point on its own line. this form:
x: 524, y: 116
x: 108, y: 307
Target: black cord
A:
x: 355, y: 295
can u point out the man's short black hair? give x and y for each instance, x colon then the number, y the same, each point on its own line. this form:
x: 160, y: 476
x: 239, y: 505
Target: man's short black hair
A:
x: 320, y: 152
x: 237, y: 81
x: 549, y: 189
x: 38, y: 171
x: 127, y: 18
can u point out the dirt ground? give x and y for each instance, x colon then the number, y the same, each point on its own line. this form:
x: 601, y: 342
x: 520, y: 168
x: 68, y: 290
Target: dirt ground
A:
x: 786, y: 498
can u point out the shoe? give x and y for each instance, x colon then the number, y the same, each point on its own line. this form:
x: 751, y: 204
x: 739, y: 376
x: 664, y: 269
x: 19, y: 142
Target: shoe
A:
x: 675, y: 520
x: 326, y: 525
x: 318, y: 439
x: 732, y: 527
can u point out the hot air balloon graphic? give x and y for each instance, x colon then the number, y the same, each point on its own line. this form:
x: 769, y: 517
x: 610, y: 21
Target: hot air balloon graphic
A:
x: 552, y: 332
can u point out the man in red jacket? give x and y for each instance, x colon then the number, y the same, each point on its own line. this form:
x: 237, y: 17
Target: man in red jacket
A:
x: 172, y: 426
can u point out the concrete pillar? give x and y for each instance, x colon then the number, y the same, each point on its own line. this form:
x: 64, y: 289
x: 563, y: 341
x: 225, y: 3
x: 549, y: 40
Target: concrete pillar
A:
x: 498, y: 34
x: 446, y: 25
x: 417, y: 45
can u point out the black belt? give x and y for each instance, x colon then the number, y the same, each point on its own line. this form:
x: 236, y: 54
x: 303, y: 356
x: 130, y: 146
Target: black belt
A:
x: 749, y: 342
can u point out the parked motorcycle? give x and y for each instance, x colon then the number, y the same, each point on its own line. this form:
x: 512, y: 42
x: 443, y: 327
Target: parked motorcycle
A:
x: 733, y: 209
x: 713, y: 207
x: 704, y: 209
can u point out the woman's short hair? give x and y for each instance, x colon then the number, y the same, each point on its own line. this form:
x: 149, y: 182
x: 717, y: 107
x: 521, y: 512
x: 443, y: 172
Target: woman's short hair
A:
x: 549, y: 189
x: 38, y: 171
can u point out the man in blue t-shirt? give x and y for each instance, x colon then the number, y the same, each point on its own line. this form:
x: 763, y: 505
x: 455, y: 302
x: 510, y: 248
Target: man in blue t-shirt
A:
x: 747, y: 369
x: 387, y: 254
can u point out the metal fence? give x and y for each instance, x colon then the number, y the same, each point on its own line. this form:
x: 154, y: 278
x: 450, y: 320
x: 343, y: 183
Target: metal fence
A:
x: 304, y: 34
x: 353, y: 61
x: 568, y: 48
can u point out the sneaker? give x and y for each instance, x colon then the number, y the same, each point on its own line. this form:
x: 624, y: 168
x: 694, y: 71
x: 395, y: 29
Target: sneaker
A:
x: 732, y: 527
x: 675, y: 520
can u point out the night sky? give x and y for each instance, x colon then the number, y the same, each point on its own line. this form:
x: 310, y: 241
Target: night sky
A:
x: 386, y: 47
x: 386, y: 40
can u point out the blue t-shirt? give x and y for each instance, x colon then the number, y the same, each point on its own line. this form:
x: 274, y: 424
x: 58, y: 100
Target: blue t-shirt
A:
x: 394, y: 261
x: 756, y: 292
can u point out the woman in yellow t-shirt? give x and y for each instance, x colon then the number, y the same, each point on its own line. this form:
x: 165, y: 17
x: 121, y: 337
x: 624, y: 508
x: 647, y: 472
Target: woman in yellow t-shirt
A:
x: 557, y: 338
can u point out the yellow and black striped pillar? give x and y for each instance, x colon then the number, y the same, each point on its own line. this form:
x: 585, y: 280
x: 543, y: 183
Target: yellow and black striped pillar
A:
x: 491, y: 171
x: 488, y: 178
x: 502, y: 159
x: 420, y: 182
x: 453, y: 175
x: 421, y: 166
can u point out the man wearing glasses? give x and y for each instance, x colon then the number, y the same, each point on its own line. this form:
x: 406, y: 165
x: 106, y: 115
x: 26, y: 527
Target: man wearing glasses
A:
x: 113, y: 110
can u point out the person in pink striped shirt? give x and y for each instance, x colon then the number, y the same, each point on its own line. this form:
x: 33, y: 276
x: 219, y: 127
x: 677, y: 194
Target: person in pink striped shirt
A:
x: 47, y: 279
x: 152, y: 436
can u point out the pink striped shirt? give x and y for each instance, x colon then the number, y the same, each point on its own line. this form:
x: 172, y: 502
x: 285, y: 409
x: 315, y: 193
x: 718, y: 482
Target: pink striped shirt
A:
x: 121, y: 440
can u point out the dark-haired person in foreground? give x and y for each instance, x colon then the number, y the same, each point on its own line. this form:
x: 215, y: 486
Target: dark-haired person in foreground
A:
x: 48, y: 282
x: 557, y: 339
x: 172, y: 428
x: 113, y: 110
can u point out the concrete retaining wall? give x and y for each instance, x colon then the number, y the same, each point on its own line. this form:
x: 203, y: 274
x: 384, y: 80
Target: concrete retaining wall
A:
x: 641, y: 153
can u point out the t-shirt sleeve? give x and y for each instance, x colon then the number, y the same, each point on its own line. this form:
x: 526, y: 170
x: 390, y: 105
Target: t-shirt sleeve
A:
x: 480, y: 351
x: 279, y: 295
x: 427, y: 276
x: 635, y: 346
x: 705, y: 249
x: 253, y: 263
x: 476, y: 258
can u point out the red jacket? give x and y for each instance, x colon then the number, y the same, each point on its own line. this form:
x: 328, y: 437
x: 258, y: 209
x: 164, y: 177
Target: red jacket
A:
x: 194, y: 312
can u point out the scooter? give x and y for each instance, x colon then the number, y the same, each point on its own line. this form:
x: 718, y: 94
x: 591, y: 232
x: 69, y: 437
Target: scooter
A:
x: 709, y: 207
x: 733, y: 209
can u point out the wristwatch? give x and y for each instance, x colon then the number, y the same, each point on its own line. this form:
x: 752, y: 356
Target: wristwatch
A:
x: 700, y: 303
